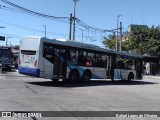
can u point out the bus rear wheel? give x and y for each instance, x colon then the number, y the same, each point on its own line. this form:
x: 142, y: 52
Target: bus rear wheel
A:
x: 87, y: 75
x: 130, y: 76
x: 74, y: 76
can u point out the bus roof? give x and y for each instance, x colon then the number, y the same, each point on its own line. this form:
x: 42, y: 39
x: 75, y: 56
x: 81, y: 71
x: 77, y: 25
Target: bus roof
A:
x: 123, y: 53
x: 90, y: 47
x: 76, y: 44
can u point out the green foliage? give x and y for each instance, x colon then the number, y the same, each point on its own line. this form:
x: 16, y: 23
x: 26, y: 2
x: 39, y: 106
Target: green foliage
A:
x: 143, y: 41
x: 110, y: 42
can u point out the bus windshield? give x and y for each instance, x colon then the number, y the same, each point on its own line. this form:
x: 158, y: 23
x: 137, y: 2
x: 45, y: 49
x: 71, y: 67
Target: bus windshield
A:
x: 6, y: 54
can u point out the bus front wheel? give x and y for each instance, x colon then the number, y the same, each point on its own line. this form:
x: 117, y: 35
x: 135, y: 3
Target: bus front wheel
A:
x: 73, y: 76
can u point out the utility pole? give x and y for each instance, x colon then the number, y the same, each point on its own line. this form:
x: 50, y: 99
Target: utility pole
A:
x: 117, y: 32
x: 74, y: 18
x: 70, y: 30
x: 44, y: 31
x: 120, y: 45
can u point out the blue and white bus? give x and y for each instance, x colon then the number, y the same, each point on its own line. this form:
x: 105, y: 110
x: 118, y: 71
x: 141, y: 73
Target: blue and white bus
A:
x: 74, y: 61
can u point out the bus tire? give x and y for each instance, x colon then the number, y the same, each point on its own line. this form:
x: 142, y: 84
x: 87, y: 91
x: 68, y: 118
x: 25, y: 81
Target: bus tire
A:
x: 74, y: 76
x: 130, y: 76
x: 112, y: 79
x: 3, y: 70
x: 65, y: 80
x: 55, y: 80
x: 87, y: 75
x: 9, y: 69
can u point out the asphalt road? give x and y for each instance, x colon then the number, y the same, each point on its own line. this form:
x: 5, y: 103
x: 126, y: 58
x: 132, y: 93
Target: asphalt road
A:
x: 24, y: 93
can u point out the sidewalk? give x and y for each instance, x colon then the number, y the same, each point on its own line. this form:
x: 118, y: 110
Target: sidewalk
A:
x: 152, y: 76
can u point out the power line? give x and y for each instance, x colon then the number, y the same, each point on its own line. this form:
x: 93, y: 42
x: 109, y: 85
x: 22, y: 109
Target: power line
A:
x: 19, y: 9
x: 90, y: 27
x: 32, y: 29
x: 23, y: 10
x: 32, y: 12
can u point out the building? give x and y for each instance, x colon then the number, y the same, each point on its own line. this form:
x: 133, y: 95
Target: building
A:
x: 136, y: 28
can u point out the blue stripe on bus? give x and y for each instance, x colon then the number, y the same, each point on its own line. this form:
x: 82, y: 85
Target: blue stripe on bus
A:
x: 94, y: 76
x: 121, y: 75
x: 81, y: 70
x: 29, y: 71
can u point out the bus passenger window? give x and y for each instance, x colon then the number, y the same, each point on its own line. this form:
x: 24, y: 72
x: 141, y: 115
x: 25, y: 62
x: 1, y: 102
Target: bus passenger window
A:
x: 89, y: 59
x: 80, y: 58
x: 73, y: 57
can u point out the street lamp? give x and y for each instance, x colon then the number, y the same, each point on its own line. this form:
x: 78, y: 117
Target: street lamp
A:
x: 117, y: 32
x: 75, y: 1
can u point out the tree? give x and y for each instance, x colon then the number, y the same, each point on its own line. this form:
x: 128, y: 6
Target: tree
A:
x: 141, y: 41
x: 110, y: 42
x: 151, y: 45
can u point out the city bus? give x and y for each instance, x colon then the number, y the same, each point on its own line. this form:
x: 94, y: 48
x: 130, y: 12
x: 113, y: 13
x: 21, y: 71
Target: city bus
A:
x: 74, y: 61
x: 6, y: 58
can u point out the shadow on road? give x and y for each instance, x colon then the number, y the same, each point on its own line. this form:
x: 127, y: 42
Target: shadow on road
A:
x: 7, y: 71
x: 91, y: 83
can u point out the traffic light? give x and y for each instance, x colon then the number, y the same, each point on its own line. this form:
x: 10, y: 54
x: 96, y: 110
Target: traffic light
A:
x: 2, y: 38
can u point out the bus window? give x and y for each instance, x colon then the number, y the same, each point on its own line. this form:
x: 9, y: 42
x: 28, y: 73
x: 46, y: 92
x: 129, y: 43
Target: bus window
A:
x: 48, y: 52
x: 104, y: 60
x: 80, y: 58
x: 100, y: 60
x: 130, y: 65
x: 89, y: 59
x: 72, y: 57
x: 26, y: 52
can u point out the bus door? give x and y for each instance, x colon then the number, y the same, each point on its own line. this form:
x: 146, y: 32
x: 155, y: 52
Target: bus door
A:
x: 112, y: 66
x: 108, y: 67
x: 59, y: 67
x: 139, y: 70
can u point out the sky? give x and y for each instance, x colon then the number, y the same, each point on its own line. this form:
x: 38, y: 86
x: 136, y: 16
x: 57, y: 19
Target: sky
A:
x: 100, y: 14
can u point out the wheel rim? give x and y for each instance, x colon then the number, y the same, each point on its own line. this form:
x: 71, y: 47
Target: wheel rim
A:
x: 87, y: 76
x: 129, y: 78
x: 74, y: 76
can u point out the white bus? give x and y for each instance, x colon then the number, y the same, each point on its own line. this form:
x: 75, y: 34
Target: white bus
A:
x: 75, y: 61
